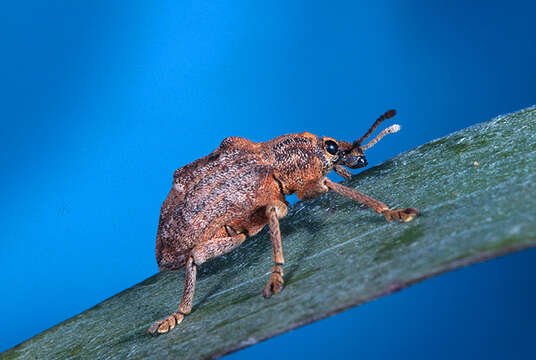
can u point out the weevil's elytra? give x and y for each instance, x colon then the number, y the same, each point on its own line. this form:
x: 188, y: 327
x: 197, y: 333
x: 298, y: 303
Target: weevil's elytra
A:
x: 216, y: 202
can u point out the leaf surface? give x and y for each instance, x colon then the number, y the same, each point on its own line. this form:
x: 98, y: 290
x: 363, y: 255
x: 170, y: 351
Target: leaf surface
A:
x: 476, y: 189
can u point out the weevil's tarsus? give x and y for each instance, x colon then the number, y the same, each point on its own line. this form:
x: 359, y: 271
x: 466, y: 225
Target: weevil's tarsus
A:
x: 403, y: 215
x: 275, y: 284
x: 164, y: 325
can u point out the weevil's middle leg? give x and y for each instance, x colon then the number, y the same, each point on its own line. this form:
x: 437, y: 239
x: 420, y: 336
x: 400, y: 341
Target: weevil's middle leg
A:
x: 275, y: 284
x: 201, y: 253
x: 404, y: 215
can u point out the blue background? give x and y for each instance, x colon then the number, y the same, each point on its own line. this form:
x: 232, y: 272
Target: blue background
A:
x: 102, y: 102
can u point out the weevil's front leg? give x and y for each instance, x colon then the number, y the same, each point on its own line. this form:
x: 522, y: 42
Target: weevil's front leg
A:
x: 201, y: 253
x: 312, y: 189
x: 339, y: 169
x: 274, y: 213
x: 404, y: 215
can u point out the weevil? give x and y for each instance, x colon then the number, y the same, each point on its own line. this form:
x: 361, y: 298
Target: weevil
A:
x: 217, y: 201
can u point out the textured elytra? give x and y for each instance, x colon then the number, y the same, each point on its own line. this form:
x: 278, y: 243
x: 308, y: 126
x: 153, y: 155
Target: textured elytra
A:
x: 228, y: 190
x: 333, y: 250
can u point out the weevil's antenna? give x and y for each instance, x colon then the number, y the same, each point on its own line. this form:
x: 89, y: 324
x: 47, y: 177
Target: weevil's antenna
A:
x: 388, y: 114
x: 390, y: 130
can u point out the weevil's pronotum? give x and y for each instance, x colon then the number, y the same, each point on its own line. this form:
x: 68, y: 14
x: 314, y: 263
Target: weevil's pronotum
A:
x: 219, y: 200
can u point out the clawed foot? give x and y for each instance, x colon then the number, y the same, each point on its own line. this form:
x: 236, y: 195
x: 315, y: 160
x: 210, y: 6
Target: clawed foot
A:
x: 404, y: 215
x: 275, y: 285
x: 166, y: 324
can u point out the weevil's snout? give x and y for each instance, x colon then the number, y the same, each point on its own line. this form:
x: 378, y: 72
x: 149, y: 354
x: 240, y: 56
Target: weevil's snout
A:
x: 361, y: 162
x: 354, y: 161
x: 351, y: 157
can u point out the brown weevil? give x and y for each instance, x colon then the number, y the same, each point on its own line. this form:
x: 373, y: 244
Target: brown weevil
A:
x: 232, y: 193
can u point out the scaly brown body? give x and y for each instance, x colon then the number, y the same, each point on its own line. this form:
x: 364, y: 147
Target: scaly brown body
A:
x: 217, y: 201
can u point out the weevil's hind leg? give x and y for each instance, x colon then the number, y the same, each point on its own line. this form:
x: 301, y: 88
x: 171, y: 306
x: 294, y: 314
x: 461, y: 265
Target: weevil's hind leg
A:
x: 404, y: 215
x: 201, y: 253
x: 169, y: 322
x: 275, y: 284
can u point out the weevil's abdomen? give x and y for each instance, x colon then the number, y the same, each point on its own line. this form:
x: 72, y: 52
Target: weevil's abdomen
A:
x: 218, y: 189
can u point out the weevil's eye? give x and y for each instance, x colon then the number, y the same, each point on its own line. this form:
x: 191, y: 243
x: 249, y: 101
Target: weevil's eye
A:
x: 332, y: 147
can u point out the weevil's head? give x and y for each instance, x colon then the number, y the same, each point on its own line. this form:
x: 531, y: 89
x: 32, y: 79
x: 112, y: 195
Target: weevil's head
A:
x: 344, y: 153
x: 352, y: 155
x: 301, y: 159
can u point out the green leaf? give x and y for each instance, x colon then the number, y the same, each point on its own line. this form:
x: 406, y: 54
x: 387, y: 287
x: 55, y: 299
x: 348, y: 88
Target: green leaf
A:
x: 476, y: 189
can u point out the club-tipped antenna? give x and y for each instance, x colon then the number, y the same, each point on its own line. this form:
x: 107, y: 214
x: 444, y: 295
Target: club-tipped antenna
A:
x: 388, y: 114
x: 390, y: 130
